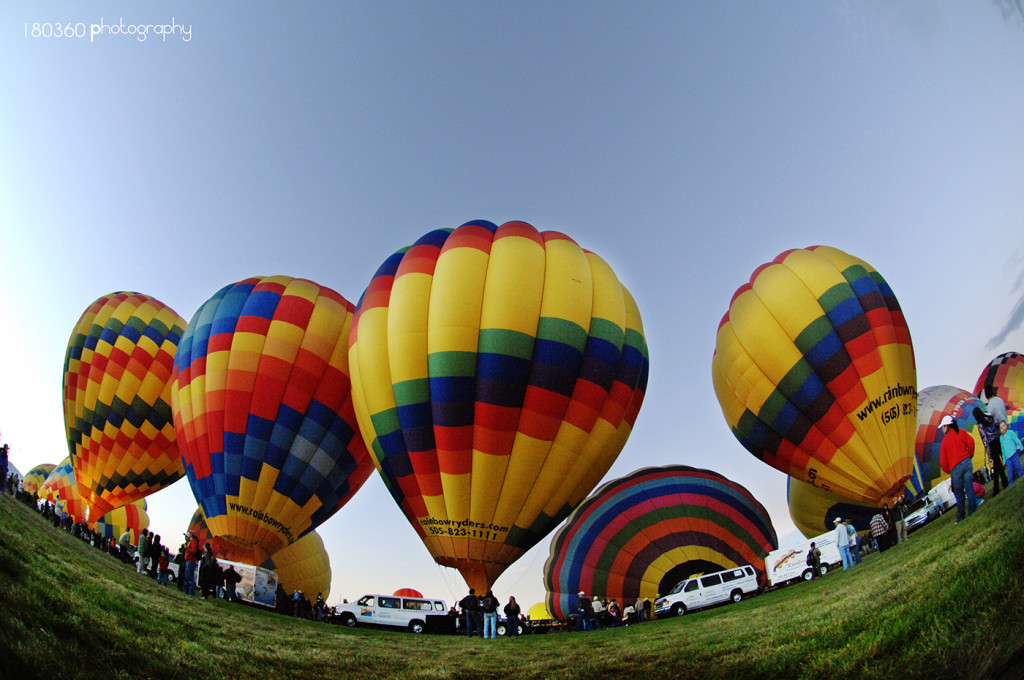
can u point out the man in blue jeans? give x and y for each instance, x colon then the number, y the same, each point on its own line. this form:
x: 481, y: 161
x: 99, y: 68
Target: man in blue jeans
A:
x: 843, y: 542
x: 955, y: 454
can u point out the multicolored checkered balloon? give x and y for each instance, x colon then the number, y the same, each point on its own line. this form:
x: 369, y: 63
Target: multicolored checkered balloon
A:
x: 117, y: 400
x: 263, y: 410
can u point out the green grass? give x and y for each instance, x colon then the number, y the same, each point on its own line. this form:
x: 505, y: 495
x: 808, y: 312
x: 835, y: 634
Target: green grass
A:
x: 949, y: 603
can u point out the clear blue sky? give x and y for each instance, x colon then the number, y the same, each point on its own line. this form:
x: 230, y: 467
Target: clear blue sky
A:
x: 685, y: 142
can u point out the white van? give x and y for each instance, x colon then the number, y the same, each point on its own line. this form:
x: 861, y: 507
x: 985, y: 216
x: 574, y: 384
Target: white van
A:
x: 390, y: 610
x: 706, y: 590
x: 790, y: 564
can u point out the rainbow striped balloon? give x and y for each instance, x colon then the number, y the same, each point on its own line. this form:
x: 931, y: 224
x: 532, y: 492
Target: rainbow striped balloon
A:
x: 815, y: 373
x: 263, y: 411
x: 639, y: 535
x: 497, y: 374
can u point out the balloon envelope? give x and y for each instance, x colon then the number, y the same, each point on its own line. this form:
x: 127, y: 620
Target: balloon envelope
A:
x: 407, y: 592
x: 263, y: 410
x: 36, y: 477
x: 117, y: 400
x: 497, y: 374
x: 132, y: 518
x: 303, y: 565
x: 814, y: 370
x: 60, y: 489
x: 813, y: 510
x: 640, y: 535
x: 932, y: 404
x: 1004, y: 378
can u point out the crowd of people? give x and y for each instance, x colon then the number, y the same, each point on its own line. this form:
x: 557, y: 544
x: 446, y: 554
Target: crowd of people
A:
x: 478, y: 615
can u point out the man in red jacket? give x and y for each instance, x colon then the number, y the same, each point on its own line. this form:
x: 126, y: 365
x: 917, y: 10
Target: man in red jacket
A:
x: 955, y: 455
x: 191, y: 562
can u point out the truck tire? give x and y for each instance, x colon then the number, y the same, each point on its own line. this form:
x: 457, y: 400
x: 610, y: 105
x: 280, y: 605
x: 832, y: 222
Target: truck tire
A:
x: 501, y: 630
x: 823, y: 569
x: 807, y: 575
x: 347, y: 619
x: 736, y: 595
x: 416, y: 626
x: 679, y: 609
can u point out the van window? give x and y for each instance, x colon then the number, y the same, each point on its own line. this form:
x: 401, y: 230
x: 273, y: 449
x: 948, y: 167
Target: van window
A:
x: 712, y: 580
x: 391, y: 602
x: 690, y: 586
x: 732, y: 575
x: 439, y: 606
x: 366, y: 601
x: 749, y: 570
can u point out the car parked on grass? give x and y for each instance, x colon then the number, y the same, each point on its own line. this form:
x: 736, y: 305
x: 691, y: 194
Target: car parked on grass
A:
x: 707, y: 590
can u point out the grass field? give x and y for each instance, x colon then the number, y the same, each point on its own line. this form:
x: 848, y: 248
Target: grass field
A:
x: 949, y: 603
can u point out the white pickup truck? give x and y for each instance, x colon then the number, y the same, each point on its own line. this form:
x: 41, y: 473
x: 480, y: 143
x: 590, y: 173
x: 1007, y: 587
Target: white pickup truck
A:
x: 391, y: 610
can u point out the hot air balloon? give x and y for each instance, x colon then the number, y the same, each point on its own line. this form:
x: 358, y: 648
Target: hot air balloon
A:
x: 304, y: 565
x: 132, y: 518
x: 408, y: 592
x: 639, y: 535
x: 35, y: 477
x: 932, y: 404
x: 60, y: 489
x: 813, y: 510
x: 814, y: 370
x: 1004, y: 378
x: 497, y: 373
x: 117, y: 400
x: 263, y: 410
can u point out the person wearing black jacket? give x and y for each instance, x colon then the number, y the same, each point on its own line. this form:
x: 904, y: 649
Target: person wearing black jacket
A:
x: 470, y: 606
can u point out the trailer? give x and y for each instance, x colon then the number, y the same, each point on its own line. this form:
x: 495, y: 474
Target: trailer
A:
x: 789, y: 564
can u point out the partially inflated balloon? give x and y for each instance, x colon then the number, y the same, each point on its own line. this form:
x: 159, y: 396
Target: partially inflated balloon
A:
x: 117, y: 400
x: 263, y: 411
x: 35, y: 477
x: 814, y: 370
x: 1004, y: 378
x: 60, y: 489
x: 497, y: 374
x: 639, y: 535
x: 932, y: 404
x: 132, y: 518
x: 814, y: 510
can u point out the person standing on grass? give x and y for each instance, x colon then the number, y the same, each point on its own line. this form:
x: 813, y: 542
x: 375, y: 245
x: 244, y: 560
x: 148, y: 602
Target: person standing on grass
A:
x: 470, y: 606
x: 955, y: 455
x: 1010, y: 446
x: 814, y: 560
x: 489, y: 605
x: 123, y: 541
x: 512, y: 612
x: 843, y: 542
x: 163, y: 567
x: 231, y: 579
x: 989, y: 429
x: 880, y: 531
x: 142, y: 550
x: 898, y: 523
x: 191, y: 562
